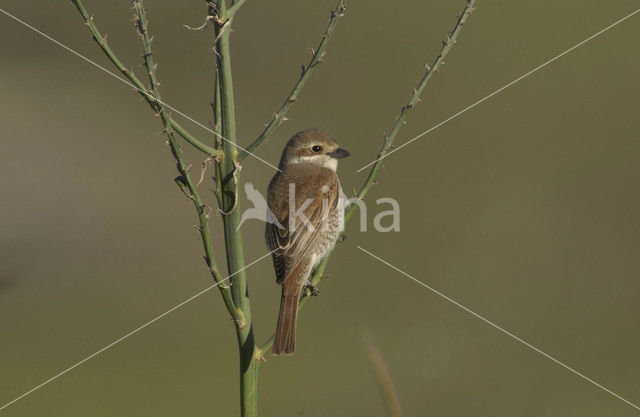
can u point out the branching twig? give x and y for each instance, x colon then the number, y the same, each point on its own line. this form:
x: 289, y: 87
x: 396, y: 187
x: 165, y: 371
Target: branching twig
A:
x: 136, y: 83
x: 447, y: 44
x: 388, y: 142
x: 236, y: 296
x: 184, y: 179
x: 316, y: 58
x: 231, y: 11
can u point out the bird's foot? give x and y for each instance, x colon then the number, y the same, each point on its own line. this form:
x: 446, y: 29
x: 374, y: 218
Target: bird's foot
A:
x: 311, y: 290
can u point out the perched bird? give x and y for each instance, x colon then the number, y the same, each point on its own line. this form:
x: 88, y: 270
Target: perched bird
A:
x: 306, y: 198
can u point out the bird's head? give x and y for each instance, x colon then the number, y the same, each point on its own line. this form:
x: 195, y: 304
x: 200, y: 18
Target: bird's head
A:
x: 312, y: 146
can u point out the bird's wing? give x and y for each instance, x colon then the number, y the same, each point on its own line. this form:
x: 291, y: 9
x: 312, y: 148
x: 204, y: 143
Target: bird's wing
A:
x: 293, y: 242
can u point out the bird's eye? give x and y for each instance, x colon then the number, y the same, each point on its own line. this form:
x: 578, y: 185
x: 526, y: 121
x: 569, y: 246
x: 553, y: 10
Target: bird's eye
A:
x: 316, y: 148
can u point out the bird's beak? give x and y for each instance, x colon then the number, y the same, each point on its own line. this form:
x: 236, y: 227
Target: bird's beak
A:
x: 340, y: 153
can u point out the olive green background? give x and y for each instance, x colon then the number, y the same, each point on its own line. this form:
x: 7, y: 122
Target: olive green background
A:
x: 525, y: 209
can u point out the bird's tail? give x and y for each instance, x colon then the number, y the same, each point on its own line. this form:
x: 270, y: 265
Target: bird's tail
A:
x: 285, y: 339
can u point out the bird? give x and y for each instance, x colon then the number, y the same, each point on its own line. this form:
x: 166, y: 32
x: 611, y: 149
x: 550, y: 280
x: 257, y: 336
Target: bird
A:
x: 305, y: 197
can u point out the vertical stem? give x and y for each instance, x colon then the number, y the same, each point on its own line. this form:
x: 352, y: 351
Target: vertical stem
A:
x: 217, y: 128
x: 228, y: 171
x: 184, y: 180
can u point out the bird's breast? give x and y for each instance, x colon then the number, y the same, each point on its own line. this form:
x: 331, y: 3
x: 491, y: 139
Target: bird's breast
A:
x: 328, y: 234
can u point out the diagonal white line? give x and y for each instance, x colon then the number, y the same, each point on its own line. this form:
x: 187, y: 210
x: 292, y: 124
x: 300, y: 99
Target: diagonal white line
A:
x: 132, y: 332
x: 546, y: 355
x: 502, y: 88
x: 60, y: 44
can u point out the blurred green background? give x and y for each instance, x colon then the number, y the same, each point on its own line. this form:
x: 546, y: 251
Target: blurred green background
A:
x: 525, y: 209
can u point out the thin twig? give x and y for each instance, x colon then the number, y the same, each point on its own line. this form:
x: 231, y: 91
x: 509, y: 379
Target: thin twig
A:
x: 316, y: 58
x: 203, y: 170
x: 184, y: 179
x: 136, y: 83
x: 231, y: 11
x: 447, y: 44
x: 217, y: 127
x: 203, y: 26
x: 388, y: 142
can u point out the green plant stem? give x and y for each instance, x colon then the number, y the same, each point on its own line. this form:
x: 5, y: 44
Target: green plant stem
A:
x: 228, y: 170
x: 447, y: 44
x: 216, y: 106
x: 136, y: 83
x: 388, y: 142
x: 316, y: 58
x: 184, y: 180
x: 235, y: 6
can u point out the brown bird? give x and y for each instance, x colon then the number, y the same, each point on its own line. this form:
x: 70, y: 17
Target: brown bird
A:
x: 306, y: 199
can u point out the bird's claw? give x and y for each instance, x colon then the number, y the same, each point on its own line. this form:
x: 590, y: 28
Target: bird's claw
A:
x: 311, y: 290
